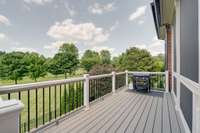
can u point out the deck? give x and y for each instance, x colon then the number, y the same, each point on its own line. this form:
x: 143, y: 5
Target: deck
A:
x: 126, y: 111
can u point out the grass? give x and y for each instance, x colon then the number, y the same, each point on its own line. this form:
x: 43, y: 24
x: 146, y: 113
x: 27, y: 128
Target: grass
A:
x: 48, y: 77
x: 53, y: 99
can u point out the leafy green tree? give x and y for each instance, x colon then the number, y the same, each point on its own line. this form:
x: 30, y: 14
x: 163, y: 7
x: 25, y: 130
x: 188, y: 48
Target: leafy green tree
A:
x: 105, y: 57
x: 36, y: 65
x: 53, y: 67
x: 13, y: 66
x: 89, y: 59
x: 67, y: 58
x: 135, y: 59
x: 159, y: 63
x: 2, y: 53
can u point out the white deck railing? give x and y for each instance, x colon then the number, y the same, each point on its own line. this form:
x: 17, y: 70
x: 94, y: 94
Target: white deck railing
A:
x: 58, y: 98
x: 194, y: 87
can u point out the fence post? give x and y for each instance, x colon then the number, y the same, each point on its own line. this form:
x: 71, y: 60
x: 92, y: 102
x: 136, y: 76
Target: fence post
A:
x: 166, y: 82
x: 86, y: 91
x: 113, y: 81
x: 126, y: 78
x: 9, y: 116
x: 196, y: 113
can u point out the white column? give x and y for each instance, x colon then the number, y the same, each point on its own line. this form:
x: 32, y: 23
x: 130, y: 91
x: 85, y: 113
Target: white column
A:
x: 126, y: 78
x: 86, y: 91
x: 9, y: 116
x: 113, y: 82
x: 166, y: 82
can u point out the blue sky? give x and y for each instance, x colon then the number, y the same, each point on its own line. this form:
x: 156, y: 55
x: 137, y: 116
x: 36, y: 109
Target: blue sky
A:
x: 43, y: 25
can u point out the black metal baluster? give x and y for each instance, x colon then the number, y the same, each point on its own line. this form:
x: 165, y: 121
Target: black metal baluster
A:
x: 19, y: 96
x: 72, y: 95
x: 82, y: 88
x: 28, y: 110
x: 95, y: 92
x: 60, y: 99
x: 55, y: 100
x: 43, y: 110
x: 8, y: 96
x: 80, y: 93
x: 36, y: 107
x: 49, y: 103
x: 69, y: 98
x: 77, y: 97
x: 65, y: 98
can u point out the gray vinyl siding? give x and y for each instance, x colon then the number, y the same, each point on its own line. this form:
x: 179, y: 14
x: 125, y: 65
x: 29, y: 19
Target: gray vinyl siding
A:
x: 188, y: 53
x: 189, y: 39
x: 174, y: 87
x: 186, y: 104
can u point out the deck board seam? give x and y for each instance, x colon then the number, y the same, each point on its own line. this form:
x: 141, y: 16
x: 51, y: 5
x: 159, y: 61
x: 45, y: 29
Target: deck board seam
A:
x: 155, y: 115
x: 106, y: 109
x: 135, y: 115
x: 142, y: 114
x: 148, y: 114
x: 129, y: 114
x: 129, y: 102
x: 126, y: 115
x: 169, y: 113
x: 136, y: 98
x: 93, y: 111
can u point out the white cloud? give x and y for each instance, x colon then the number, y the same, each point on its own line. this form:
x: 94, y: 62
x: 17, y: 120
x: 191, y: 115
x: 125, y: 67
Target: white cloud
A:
x: 97, y: 8
x: 155, y: 47
x: 83, y: 32
x: 54, y: 46
x: 4, y: 20
x: 38, y: 2
x: 2, y: 36
x: 138, y: 14
x: 70, y: 10
x: 141, y: 22
x: 99, y: 48
x: 113, y: 27
x: 23, y: 49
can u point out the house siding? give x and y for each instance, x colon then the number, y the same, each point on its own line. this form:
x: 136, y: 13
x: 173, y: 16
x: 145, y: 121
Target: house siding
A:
x: 188, y: 53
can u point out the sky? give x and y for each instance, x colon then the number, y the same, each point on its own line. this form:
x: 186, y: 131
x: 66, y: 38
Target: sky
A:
x: 44, y: 25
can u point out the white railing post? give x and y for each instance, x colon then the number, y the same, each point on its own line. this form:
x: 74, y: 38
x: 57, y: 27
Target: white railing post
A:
x: 86, y: 91
x: 113, y: 81
x: 166, y: 82
x: 9, y: 116
x: 126, y: 78
x: 196, y: 113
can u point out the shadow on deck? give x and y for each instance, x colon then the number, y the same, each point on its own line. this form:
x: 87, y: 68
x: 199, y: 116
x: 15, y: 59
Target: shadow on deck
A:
x: 126, y: 111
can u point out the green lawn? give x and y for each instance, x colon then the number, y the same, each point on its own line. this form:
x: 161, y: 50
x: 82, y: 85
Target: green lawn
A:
x: 48, y: 77
x: 53, y: 99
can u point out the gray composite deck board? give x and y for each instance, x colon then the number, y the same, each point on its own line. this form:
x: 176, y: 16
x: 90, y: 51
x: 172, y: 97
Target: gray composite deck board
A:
x: 126, y: 111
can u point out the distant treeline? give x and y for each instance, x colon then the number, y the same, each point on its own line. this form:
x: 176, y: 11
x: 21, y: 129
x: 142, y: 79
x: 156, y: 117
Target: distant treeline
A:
x: 16, y: 65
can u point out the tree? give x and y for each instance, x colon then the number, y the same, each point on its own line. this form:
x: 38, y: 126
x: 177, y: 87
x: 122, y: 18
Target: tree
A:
x: 159, y: 63
x: 101, y: 69
x: 135, y: 59
x: 53, y: 67
x: 105, y: 57
x: 36, y: 65
x: 13, y: 66
x: 67, y: 58
x: 89, y: 59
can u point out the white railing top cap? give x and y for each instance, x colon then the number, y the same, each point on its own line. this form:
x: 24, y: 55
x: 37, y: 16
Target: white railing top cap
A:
x: 10, y: 106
